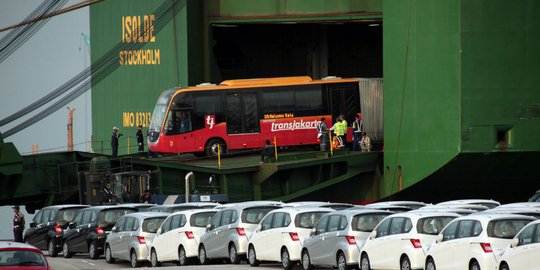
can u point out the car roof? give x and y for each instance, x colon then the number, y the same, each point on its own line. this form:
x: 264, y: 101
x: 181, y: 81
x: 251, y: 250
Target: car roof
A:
x: 450, y: 209
x: 471, y: 206
x: 418, y: 215
x: 17, y: 245
x: 402, y: 203
x: 469, y: 201
x: 64, y: 206
x: 495, y: 216
x: 394, y: 208
x: 188, y: 204
x: 105, y: 207
x: 520, y: 204
x: 303, y: 209
x: 194, y: 211
x: 354, y: 212
x: 240, y: 206
x: 148, y: 214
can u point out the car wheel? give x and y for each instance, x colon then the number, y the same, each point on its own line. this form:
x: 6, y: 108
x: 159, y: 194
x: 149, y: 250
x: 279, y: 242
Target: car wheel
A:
x: 202, y: 255
x: 93, y: 250
x: 51, y: 248
x: 286, y: 260
x: 252, y: 256
x: 474, y: 266
x: 364, y: 262
x: 154, y: 259
x: 133, y: 259
x: 504, y: 266
x: 233, y: 254
x: 405, y: 263
x: 108, y: 254
x: 306, y: 261
x: 182, y: 257
x: 65, y: 251
x: 342, y: 262
x: 430, y: 264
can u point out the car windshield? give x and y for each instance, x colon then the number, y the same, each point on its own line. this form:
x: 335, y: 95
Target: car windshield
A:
x: 150, y: 225
x: 67, y: 215
x: 21, y: 258
x: 506, y: 228
x: 201, y: 219
x: 107, y: 218
x: 432, y: 225
x: 367, y: 222
x: 254, y: 215
x: 307, y: 220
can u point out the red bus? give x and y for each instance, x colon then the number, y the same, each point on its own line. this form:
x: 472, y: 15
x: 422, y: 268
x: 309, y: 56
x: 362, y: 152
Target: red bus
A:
x: 243, y: 114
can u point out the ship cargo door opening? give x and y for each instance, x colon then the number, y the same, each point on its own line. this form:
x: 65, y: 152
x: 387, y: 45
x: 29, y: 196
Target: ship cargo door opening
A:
x: 351, y: 49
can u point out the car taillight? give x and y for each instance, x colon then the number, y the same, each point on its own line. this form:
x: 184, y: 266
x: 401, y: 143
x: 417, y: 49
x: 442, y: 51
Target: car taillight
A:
x: 350, y: 239
x: 190, y: 235
x: 486, y: 247
x: 99, y: 230
x: 416, y: 243
x: 294, y: 236
x: 141, y: 240
x: 58, y: 229
x: 241, y: 231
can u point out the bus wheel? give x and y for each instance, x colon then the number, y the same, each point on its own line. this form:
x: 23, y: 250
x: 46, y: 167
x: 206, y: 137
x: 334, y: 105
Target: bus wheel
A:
x: 212, y: 147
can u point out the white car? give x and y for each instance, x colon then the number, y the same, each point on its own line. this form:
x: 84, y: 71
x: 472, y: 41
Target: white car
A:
x: 229, y: 229
x: 131, y: 237
x: 337, y: 237
x: 473, y: 242
x: 279, y: 236
x: 523, y: 251
x: 178, y: 237
x: 399, y: 241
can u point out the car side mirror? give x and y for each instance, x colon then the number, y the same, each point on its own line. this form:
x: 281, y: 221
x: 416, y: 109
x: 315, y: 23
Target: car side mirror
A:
x: 209, y: 227
x: 258, y: 228
x: 158, y: 232
x: 373, y: 234
x: 114, y: 229
x: 313, y: 232
x: 514, y: 243
x: 71, y: 225
x: 32, y: 224
x: 439, y: 238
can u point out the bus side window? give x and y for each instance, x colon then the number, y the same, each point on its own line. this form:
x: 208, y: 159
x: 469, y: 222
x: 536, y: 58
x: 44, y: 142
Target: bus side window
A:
x: 170, y: 125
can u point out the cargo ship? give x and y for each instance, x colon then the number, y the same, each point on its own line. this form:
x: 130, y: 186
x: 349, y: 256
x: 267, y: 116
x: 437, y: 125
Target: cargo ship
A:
x: 459, y: 116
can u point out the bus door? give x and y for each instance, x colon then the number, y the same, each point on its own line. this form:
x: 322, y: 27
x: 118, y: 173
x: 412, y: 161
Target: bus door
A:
x: 185, y: 140
x: 178, y: 130
x: 242, y: 113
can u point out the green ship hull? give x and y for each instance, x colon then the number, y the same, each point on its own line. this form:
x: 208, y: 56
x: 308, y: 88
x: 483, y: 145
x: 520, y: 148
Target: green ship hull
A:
x: 461, y: 98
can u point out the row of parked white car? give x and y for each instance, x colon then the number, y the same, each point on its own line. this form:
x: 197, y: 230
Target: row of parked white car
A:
x: 465, y: 234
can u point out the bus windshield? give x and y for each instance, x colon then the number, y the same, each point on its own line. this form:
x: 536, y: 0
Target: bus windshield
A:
x: 160, y: 110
